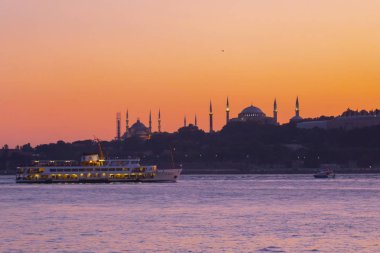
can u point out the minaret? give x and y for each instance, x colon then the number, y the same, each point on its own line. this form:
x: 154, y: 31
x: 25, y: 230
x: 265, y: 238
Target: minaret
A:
x: 227, y: 112
x: 297, y: 108
x: 195, y: 120
x: 150, y: 121
x: 159, y: 121
x: 126, y: 122
x: 184, y: 121
x: 211, y: 125
x: 275, y: 111
x: 118, y: 117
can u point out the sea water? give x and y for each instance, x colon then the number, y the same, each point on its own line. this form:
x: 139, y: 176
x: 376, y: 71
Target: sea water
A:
x: 212, y: 213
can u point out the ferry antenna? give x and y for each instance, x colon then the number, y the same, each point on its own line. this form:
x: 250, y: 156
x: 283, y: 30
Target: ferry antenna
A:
x: 101, y: 153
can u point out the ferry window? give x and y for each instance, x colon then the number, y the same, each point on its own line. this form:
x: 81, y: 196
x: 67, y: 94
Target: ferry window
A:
x: 74, y: 170
x: 112, y: 169
x: 53, y: 170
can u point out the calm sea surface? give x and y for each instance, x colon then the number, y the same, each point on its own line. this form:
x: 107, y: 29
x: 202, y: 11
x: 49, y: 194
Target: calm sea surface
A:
x: 244, y: 213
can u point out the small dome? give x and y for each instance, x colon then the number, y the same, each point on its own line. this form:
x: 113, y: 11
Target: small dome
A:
x: 296, y: 119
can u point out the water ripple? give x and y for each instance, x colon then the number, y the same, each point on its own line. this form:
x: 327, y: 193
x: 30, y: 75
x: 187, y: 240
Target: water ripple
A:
x: 227, y: 213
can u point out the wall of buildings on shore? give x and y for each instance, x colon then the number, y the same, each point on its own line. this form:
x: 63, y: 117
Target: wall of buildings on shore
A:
x: 343, y: 122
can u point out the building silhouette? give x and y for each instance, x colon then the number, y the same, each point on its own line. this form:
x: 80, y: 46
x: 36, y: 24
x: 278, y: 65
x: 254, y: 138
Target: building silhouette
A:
x: 150, y: 121
x: 118, y: 125
x: 159, y: 121
x: 296, y: 118
x: 227, y: 111
x: 126, y: 122
x: 211, y: 118
x: 255, y: 114
x: 138, y: 129
x: 275, y: 111
x: 347, y: 120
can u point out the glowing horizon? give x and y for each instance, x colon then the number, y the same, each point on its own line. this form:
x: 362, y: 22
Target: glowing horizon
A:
x: 66, y: 68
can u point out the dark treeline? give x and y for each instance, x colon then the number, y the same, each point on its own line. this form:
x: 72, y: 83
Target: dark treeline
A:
x: 282, y: 146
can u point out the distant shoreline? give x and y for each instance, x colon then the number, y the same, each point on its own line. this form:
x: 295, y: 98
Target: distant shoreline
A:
x: 244, y: 168
x: 359, y: 171
x: 261, y: 171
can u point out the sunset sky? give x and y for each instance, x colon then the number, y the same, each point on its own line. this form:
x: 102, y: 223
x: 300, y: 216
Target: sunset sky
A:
x: 67, y: 67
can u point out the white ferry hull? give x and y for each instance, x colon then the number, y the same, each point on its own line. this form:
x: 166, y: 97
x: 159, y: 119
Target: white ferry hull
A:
x: 92, y: 169
x: 167, y: 175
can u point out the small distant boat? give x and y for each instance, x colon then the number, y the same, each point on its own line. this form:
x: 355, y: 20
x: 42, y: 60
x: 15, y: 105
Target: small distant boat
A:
x: 325, y: 173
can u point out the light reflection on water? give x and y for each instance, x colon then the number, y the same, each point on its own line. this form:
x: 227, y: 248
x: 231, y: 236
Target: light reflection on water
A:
x: 226, y: 213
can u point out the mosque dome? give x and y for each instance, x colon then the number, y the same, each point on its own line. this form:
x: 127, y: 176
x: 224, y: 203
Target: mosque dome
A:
x: 251, y: 111
x: 138, y: 126
x: 139, y: 130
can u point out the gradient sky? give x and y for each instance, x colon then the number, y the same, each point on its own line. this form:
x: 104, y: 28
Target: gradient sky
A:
x: 67, y: 67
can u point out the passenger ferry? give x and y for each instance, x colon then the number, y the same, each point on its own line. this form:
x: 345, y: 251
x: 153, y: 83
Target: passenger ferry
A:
x: 94, y: 169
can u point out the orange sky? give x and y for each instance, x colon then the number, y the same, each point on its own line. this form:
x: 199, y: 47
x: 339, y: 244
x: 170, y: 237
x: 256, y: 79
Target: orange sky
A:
x: 67, y: 67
